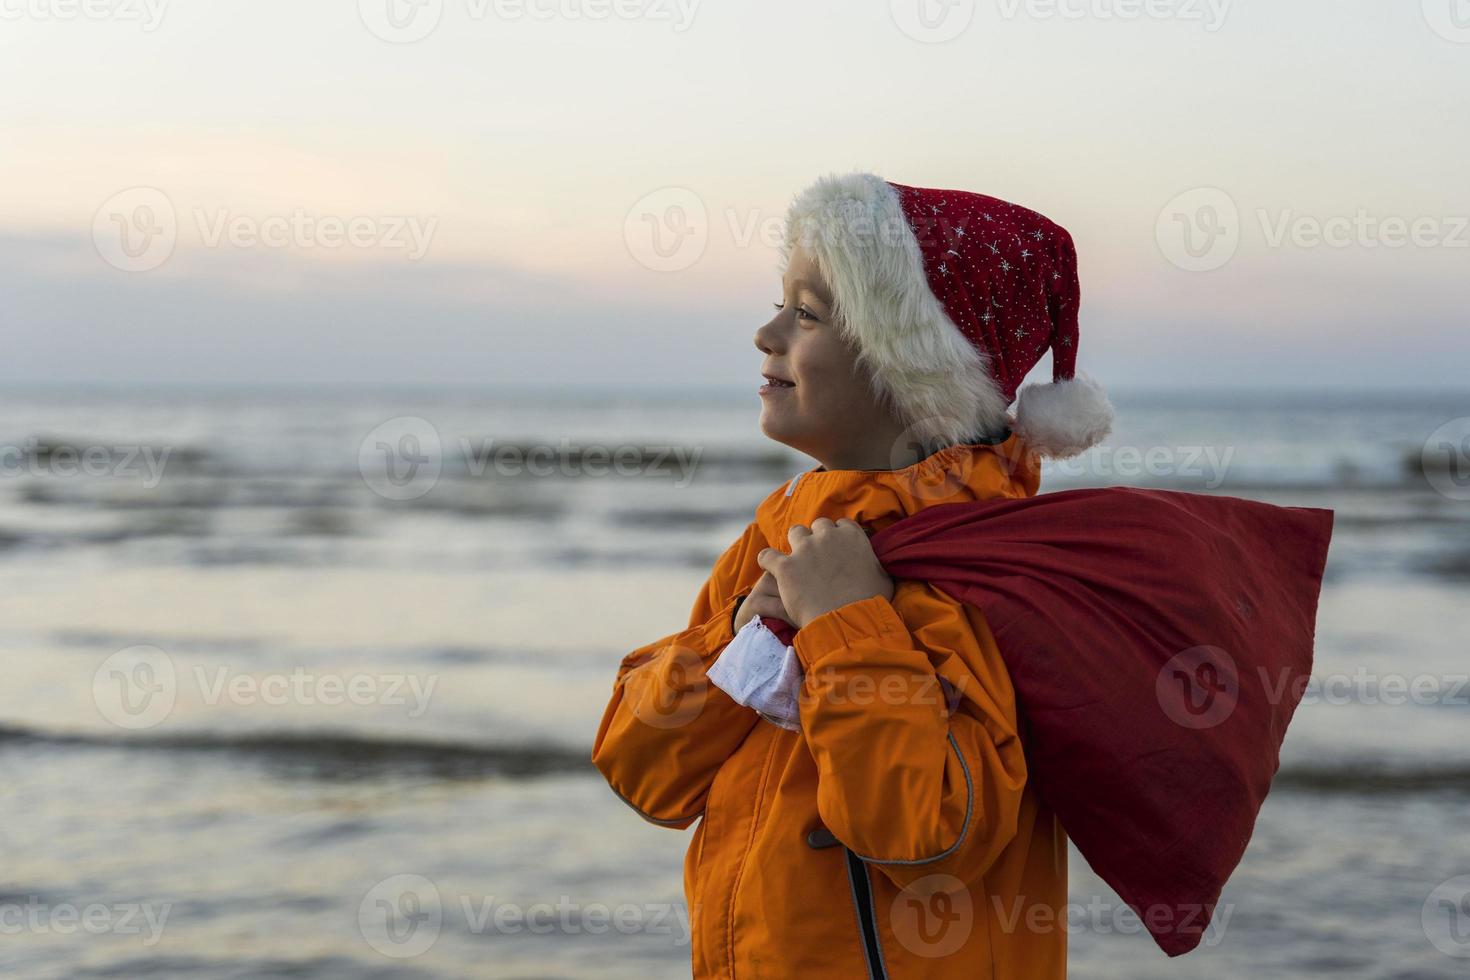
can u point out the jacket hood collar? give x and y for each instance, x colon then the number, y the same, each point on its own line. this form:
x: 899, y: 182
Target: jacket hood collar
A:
x: 877, y: 498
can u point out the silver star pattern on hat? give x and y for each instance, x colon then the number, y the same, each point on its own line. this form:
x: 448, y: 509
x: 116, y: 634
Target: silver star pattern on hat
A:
x: 1012, y: 290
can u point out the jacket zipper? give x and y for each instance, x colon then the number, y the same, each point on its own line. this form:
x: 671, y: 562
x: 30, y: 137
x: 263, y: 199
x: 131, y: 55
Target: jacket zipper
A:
x: 857, y: 870
x: 755, y: 819
x: 862, y: 899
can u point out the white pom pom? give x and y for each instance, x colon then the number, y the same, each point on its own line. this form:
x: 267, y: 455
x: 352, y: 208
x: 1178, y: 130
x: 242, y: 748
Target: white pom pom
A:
x: 1063, y: 418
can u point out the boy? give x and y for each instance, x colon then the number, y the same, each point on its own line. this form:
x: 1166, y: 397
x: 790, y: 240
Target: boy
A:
x: 894, y: 834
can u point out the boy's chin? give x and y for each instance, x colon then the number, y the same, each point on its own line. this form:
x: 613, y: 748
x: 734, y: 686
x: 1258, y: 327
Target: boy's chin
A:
x: 780, y: 427
x: 771, y: 428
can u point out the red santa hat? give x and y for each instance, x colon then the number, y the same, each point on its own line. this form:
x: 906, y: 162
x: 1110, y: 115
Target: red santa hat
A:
x: 951, y: 298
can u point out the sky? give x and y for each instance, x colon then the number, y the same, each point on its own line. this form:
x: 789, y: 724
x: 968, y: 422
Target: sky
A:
x: 504, y: 193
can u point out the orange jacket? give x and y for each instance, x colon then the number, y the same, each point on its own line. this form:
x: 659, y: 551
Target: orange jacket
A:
x: 887, y: 838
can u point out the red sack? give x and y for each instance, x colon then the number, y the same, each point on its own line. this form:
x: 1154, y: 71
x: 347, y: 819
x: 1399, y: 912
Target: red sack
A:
x: 1159, y: 643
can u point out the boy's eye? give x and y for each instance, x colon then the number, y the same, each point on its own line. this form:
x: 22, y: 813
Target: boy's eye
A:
x: 802, y: 313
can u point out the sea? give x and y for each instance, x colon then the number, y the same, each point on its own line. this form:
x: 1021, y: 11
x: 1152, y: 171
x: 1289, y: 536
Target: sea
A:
x: 302, y: 683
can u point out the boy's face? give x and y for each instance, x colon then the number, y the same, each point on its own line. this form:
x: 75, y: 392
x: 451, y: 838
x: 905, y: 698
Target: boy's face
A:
x: 827, y: 410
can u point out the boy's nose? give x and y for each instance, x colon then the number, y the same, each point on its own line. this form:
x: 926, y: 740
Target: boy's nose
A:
x: 768, y: 336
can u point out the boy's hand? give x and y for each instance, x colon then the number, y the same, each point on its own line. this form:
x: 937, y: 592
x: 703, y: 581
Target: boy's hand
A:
x: 830, y: 565
x: 763, y: 600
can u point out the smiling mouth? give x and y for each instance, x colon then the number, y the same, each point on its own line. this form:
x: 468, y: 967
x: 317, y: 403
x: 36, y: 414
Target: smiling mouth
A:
x: 775, y: 384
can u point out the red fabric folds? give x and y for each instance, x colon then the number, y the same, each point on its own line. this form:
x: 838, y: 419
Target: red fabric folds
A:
x: 1159, y: 643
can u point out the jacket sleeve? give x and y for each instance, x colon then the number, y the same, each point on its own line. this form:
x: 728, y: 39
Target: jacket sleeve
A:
x: 667, y: 729
x: 908, y: 787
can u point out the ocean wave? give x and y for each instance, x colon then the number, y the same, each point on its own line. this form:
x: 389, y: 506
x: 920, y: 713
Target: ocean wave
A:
x: 1451, y: 566
x: 1375, y: 779
x: 236, y: 967
x: 679, y: 518
x: 483, y: 456
x: 338, y: 755
x: 262, y: 651
x: 44, y: 450
x: 331, y: 755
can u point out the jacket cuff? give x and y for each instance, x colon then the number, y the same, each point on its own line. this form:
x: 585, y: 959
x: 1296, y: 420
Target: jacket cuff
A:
x: 844, y: 627
x: 720, y: 630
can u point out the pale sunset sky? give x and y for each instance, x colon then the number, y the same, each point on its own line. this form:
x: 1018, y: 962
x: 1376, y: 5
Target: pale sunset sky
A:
x: 584, y: 192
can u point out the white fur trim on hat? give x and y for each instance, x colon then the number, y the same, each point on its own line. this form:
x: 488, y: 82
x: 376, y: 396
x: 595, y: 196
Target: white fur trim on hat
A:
x: 920, y: 363
x: 1063, y: 418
